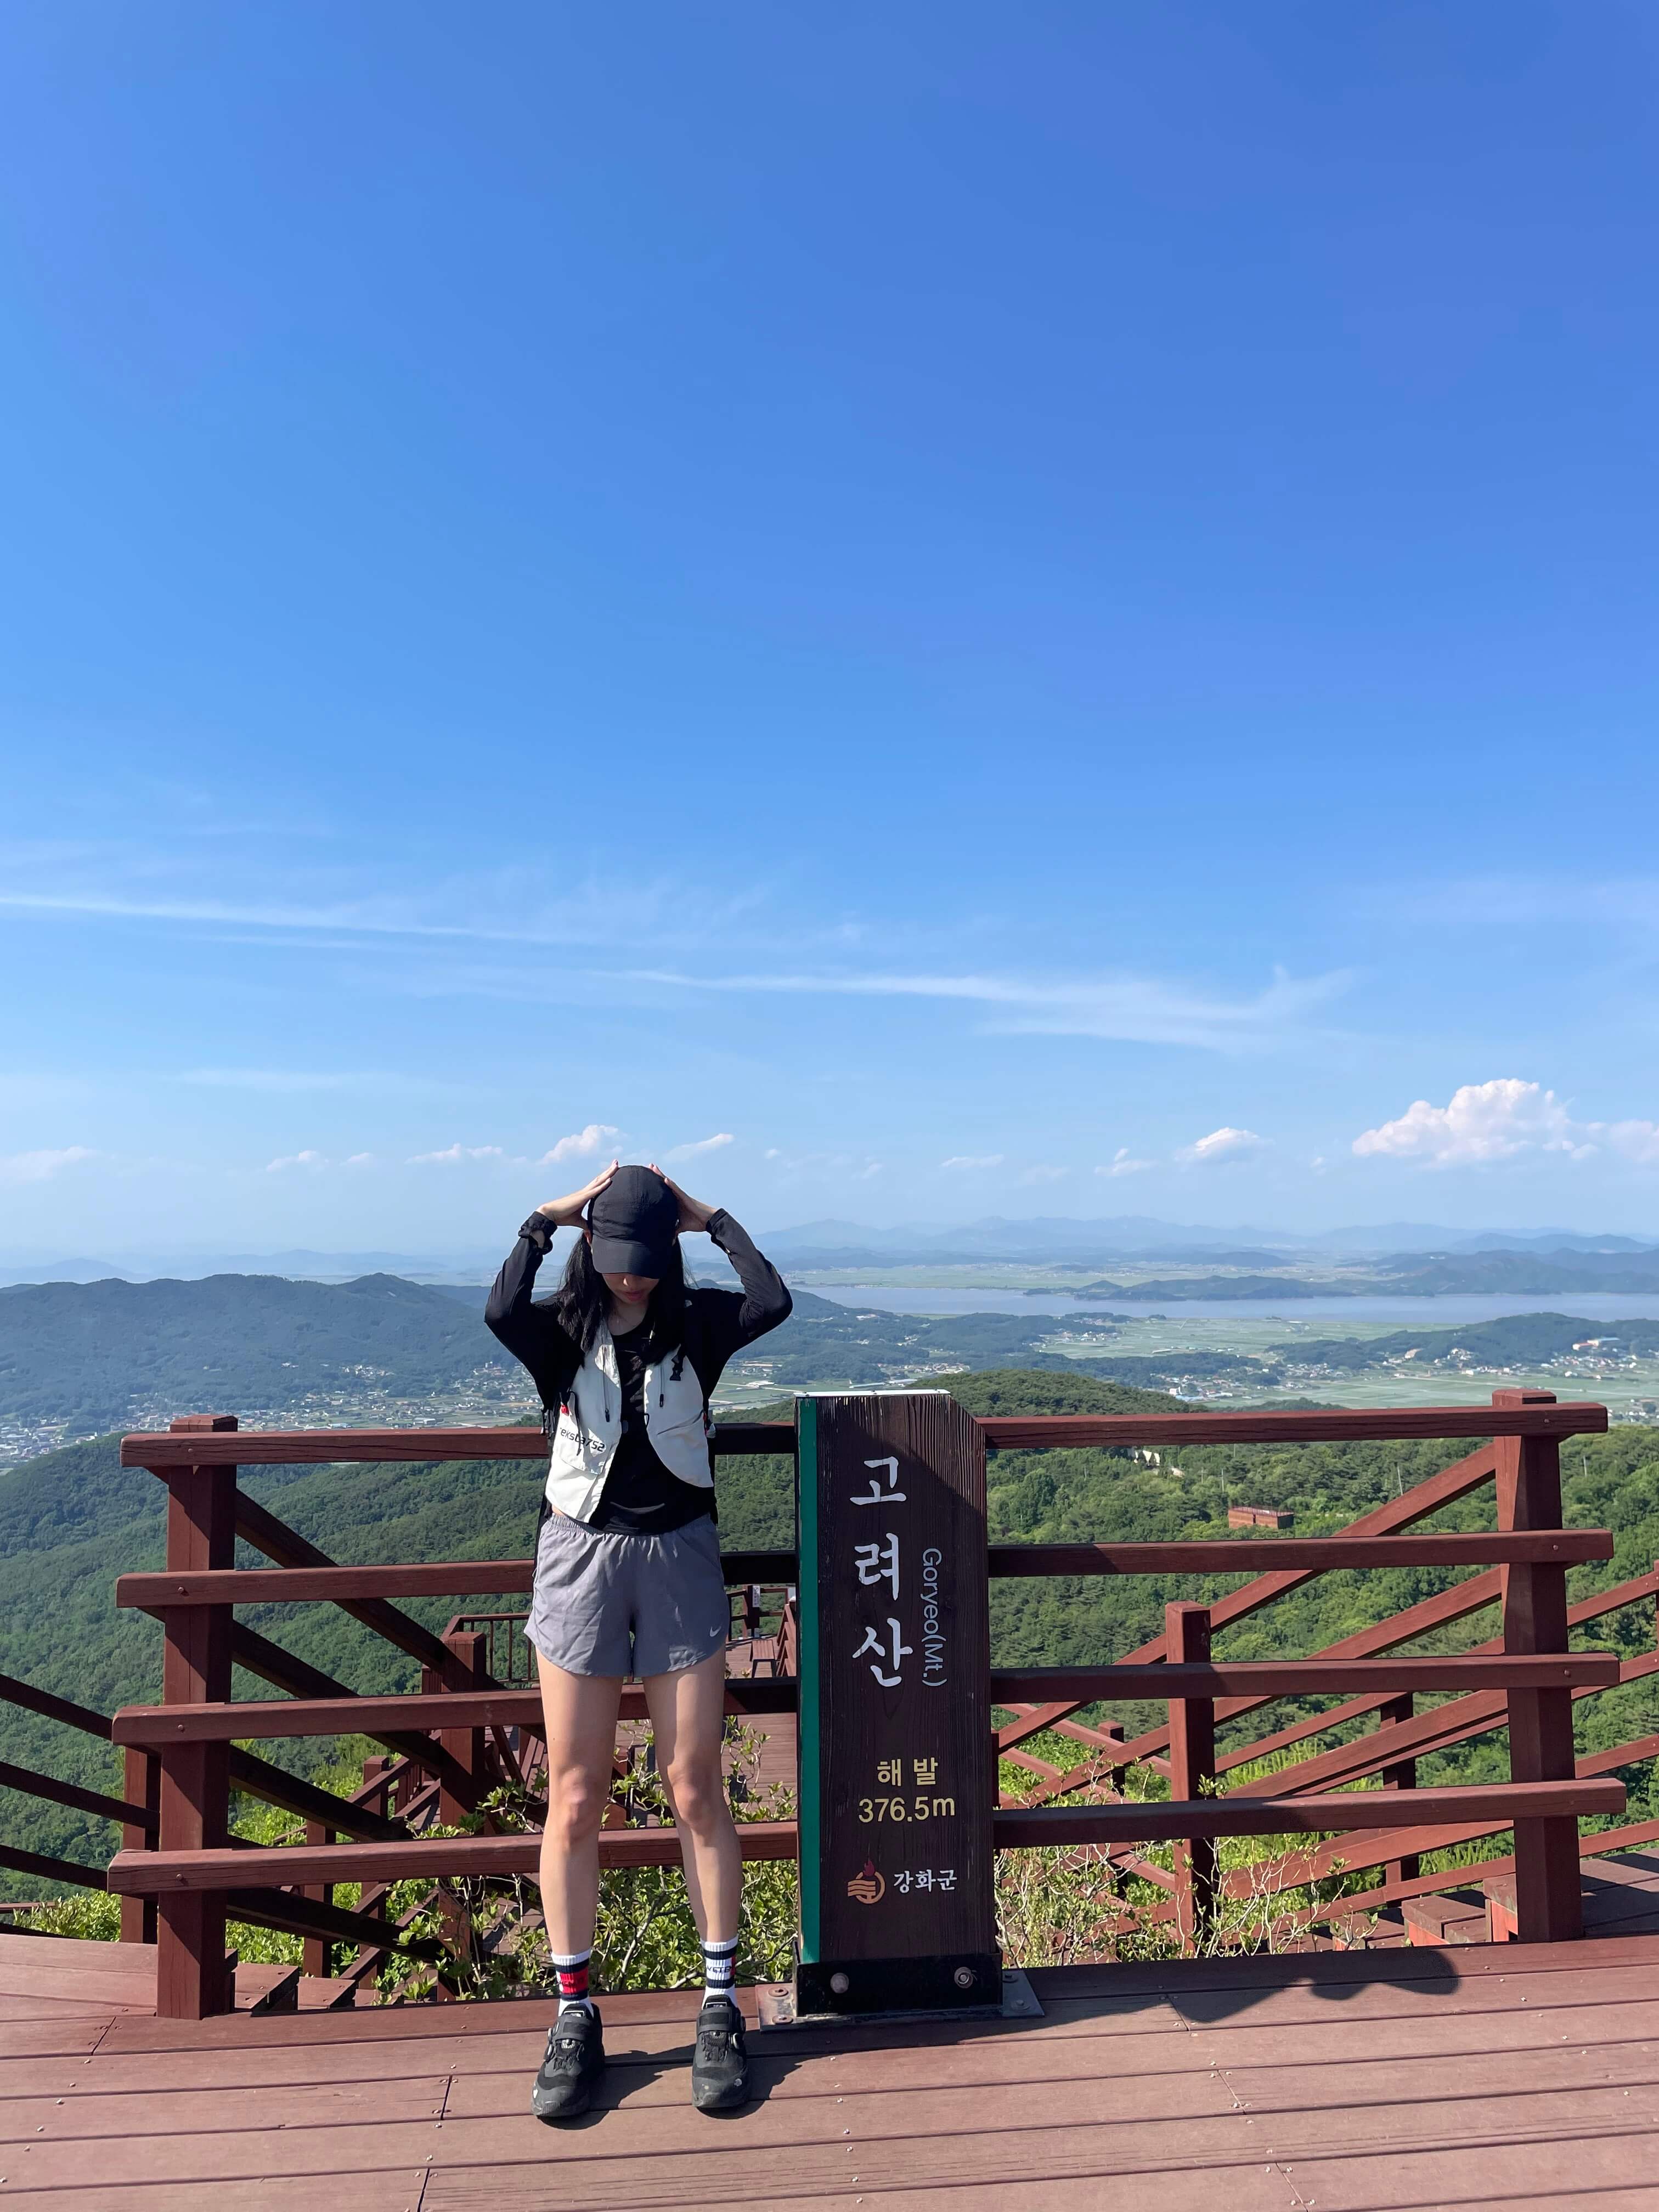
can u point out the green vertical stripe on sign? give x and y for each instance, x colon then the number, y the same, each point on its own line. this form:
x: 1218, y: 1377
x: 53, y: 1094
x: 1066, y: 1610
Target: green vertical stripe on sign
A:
x: 806, y: 1490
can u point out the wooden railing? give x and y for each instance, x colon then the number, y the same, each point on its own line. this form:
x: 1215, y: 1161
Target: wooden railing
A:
x: 459, y: 1729
x: 137, y: 1812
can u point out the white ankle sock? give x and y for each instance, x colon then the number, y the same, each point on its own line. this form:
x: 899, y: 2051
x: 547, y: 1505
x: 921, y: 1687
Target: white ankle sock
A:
x: 572, y: 1970
x: 719, y: 1968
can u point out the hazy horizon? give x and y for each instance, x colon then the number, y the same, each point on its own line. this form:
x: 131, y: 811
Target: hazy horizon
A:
x: 1125, y: 1234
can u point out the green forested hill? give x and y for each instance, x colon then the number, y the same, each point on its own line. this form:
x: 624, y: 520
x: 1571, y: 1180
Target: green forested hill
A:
x: 88, y: 1353
x: 72, y: 1520
x: 1513, y: 1340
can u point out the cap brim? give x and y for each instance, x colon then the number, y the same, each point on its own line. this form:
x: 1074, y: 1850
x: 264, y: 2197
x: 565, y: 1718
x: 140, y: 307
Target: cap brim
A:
x: 621, y: 1256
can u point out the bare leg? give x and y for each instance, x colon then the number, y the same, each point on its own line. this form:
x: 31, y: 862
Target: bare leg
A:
x: 688, y: 1718
x: 580, y: 1713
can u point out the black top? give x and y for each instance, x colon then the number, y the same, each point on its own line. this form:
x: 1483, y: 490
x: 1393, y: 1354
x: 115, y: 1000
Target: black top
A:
x: 639, y: 1491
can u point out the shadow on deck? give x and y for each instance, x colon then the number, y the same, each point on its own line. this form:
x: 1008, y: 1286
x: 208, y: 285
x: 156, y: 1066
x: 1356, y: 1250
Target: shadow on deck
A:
x: 1479, y: 2075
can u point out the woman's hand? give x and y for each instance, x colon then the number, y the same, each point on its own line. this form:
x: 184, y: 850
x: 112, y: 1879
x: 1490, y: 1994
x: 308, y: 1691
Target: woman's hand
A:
x: 567, y: 1212
x: 694, y: 1214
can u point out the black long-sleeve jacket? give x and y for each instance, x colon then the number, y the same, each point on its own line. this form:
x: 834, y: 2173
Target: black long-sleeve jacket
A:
x: 717, y: 1322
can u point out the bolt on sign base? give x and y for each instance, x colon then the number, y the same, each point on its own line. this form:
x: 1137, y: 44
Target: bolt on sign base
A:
x: 1017, y: 2000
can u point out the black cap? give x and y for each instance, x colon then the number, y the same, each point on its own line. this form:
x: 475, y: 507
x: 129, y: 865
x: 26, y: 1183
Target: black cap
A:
x: 635, y: 1220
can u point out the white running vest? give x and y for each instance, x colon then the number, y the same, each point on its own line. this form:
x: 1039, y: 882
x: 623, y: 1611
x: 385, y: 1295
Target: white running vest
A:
x: 590, y: 1428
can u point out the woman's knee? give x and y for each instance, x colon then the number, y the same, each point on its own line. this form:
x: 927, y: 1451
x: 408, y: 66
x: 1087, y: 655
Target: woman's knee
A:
x: 575, y: 1807
x: 698, y: 1790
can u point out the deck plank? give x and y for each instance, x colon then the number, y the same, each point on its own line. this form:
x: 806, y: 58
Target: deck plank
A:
x: 1364, y: 2088
x: 1592, y: 2118
x: 99, y: 2114
x: 491, y: 2120
x: 1611, y: 2174
x: 1238, y: 2188
x: 121, y: 1974
x: 340, y: 2150
x: 1044, y: 2149
x: 1034, y: 2057
x: 75, y: 2033
x: 1339, y: 2042
x: 1422, y: 1998
x: 392, y: 2190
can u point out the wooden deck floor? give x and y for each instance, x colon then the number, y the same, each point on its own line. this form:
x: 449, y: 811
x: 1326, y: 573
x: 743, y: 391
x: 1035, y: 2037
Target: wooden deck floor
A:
x: 1481, y: 2076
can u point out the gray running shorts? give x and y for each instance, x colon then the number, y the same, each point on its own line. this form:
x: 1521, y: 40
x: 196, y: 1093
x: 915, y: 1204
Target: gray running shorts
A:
x: 612, y: 1602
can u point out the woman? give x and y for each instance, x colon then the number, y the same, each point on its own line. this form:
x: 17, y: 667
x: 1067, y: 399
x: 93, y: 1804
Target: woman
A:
x: 628, y: 1574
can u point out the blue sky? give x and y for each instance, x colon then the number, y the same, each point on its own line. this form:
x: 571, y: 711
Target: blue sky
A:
x: 961, y: 599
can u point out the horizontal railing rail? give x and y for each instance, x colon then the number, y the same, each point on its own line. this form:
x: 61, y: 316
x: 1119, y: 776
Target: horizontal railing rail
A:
x: 155, y: 1874
x: 154, y: 1593
x: 156, y: 1450
x: 153, y: 1725
x: 216, y: 1722
x: 137, y: 1814
x: 1163, y: 1819
x: 161, y: 1873
x: 1290, y: 1678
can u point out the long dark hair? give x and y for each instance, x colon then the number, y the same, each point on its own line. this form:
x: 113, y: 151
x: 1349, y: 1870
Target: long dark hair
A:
x: 579, y: 1308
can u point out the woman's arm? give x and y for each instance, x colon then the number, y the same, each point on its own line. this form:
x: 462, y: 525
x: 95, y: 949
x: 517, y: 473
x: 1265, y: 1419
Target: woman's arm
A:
x: 529, y: 1332
x: 764, y: 1300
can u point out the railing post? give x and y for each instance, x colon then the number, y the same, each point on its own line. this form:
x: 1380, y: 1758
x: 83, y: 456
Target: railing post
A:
x: 316, y: 1956
x: 1192, y: 1768
x: 1402, y: 1775
x: 141, y: 1785
x: 465, y: 1746
x: 376, y: 1769
x: 1548, y: 1900
x: 192, y: 1976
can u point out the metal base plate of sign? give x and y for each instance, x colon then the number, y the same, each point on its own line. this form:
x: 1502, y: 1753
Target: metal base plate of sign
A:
x: 777, y: 2005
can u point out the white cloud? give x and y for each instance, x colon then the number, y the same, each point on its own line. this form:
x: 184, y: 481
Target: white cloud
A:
x: 1503, y: 1120
x: 1043, y: 1173
x: 1223, y: 1144
x: 772, y: 1154
x: 1481, y: 1122
x: 1636, y: 1140
x: 306, y: 1160
x: 969, y: 1161
x: 704, y: 1145
x: 41, y: 1167
x: 360, y: 1159
x: 1132, y: 1008
x: 452, y: 1155
x: 1122, y: 1164
x: 122, y: 881
x: 582, y: 1145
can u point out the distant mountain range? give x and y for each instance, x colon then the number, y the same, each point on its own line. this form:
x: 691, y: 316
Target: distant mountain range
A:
x: 1413, y: 1248
x: 298, y: 1264
x: 1056, y: 1240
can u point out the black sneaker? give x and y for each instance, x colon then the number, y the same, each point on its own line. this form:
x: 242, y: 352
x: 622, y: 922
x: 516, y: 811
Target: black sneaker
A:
x: 574, y: 2061
x: 720, y: 2072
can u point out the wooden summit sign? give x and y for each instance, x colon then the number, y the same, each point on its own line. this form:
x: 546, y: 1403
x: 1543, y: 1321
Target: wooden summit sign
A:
x: 896, y: 1776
